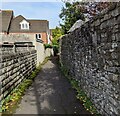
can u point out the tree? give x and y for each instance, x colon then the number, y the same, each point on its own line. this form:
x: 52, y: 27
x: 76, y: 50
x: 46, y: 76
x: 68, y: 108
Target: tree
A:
x: 56, y: 34
x: 70, y: 14
x: 79, y: 10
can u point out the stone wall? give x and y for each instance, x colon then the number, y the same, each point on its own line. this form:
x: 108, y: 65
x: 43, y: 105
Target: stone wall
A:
x: 26, y: 37
x: 17, y: 61
x: 19, y: 55
x: 91, y: 54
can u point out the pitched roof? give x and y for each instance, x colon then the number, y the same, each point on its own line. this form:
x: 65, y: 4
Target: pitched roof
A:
x: 39, y: 25
x: 15, y: 23
x: 5, y: 19
x: 36, y: 26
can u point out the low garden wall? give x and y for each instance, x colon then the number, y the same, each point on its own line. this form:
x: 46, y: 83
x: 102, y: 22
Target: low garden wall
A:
x: 42, y: 53
x: 17, y: 61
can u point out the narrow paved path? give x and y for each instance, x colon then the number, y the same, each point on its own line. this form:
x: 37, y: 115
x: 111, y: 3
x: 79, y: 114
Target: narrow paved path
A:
x: 51, y: 93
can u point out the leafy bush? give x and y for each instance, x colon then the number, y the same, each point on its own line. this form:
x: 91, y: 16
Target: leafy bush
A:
x: 55, y: 49
x: 47, y: 46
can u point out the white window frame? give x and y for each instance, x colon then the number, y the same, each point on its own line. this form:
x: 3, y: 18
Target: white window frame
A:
x: 24, y: 25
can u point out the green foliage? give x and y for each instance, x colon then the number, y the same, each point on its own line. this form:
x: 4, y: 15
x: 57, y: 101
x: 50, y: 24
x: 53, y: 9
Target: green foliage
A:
x: 55, y: 49
x: 70, y: 14
x: 45, y: 61
x: 76, y: 10
x: 55, y: 42
x: 56, y: 34
x: 83, y: 97
x: 47, y: 46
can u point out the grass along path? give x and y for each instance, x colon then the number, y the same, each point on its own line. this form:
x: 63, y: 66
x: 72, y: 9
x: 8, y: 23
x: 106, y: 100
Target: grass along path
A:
x: 88, y: 105
x: 10, y: 103
x: 51, y: 93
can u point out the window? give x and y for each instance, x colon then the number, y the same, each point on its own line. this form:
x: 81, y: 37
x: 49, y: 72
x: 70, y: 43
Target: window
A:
x: 24, y: 25
x: 38, y: 36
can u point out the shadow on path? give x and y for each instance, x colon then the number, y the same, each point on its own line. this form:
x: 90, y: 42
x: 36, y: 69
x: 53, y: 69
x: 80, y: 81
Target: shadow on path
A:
x: 51, y: 93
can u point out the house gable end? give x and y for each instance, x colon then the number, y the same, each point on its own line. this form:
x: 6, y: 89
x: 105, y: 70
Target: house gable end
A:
x: 16, y: 23
x: 24, y: 21
x: 24, y: 24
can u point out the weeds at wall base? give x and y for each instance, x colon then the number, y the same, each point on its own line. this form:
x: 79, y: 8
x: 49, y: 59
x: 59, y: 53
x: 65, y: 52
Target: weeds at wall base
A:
x: 80, y: 93
x: 10, y: 103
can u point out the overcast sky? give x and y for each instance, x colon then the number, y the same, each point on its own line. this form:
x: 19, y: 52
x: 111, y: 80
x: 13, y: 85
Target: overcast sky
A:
x: 36, y: 10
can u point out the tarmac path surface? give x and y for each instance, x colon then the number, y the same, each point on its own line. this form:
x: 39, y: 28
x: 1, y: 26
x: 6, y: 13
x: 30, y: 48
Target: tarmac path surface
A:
x: 51, y: 93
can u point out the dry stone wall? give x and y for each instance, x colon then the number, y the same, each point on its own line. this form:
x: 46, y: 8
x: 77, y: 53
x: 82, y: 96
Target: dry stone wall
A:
x: 16, y: 63
x: 91, y: 54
